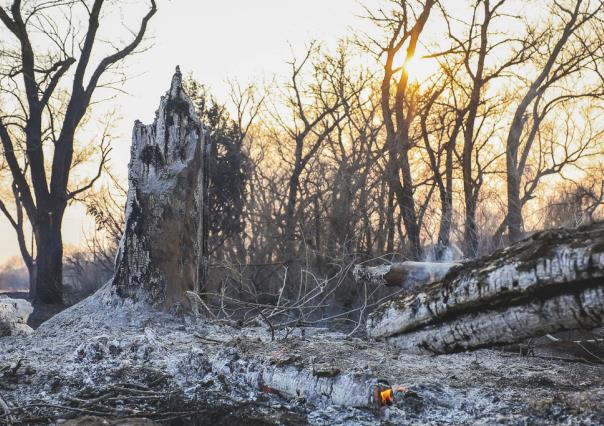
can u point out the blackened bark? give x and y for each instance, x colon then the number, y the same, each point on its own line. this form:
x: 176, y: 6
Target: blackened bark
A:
x: 552, y: 281
x: 49, y: 259
x: 163, y: 253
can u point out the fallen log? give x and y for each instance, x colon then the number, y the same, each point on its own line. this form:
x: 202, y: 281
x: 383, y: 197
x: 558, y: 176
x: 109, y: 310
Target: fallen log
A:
x: 403, y: 274
x: 550, y: 282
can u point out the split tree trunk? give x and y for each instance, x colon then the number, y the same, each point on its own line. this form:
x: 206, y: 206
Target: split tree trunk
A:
x: 549, y: 282
x: 163, y: 252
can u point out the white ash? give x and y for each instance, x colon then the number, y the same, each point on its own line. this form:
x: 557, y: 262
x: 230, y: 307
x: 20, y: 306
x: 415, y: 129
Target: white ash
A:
x: 326, y: 375
x: 13, y: 317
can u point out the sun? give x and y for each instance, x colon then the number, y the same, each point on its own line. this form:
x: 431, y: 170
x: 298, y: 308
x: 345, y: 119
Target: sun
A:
x: 413, y: 66
x: 419, y: 68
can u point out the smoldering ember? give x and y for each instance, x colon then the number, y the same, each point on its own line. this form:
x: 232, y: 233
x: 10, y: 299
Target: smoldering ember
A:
x: 332, y: 249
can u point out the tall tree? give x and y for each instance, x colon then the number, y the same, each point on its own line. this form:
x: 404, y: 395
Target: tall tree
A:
x: 478, y: 51
x: 441, y: 124
x: 404, y: 24
x: 41, y: 186
x: 570, y: 54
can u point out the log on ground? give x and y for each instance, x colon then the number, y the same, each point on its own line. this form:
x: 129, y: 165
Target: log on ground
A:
x: 552, y: 281
x: 403, y: 274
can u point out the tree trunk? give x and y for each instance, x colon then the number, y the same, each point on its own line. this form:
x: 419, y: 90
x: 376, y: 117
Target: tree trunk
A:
x: 389, y: 225
x: 514, y: 213
x: 550, y: 282
x: 407, y: 203
x: 163, y: 253
x: 31, y: 272
x: 514, y: 216
x: 48, y: 277
x: 289, y: 232
x: 444, y: 229
x: 446, y: 196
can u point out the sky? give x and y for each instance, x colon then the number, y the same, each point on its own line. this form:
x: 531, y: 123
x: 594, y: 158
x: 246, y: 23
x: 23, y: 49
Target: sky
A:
x: 215, y: 41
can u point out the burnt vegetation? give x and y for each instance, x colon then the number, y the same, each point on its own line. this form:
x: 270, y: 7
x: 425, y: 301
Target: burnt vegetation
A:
x: 432, y: 185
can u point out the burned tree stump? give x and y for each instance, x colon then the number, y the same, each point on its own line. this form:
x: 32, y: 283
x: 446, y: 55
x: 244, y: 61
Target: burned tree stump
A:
x: 163, y: 251
x: 549, y: 282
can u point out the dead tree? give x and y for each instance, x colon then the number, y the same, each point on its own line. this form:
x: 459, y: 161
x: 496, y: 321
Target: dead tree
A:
x: 572, y: 56
x: 42, y: 187
x: 549, y: 282
x: 475, y: 52
x: 163, y: 252
x: 403, y: 35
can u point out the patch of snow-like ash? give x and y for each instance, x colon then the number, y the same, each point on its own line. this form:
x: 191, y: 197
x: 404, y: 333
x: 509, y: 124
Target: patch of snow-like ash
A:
x: 319, y: 377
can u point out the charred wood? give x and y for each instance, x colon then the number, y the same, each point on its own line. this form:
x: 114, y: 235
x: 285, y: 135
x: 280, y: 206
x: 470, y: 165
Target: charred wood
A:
x: 403, y: 274
x: 163, y: 253
x: 552, y: 281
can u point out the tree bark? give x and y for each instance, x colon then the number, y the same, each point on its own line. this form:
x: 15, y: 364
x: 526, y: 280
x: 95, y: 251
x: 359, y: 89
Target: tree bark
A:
x: 290, y: 212
x: 163, y: 253
x: 552, y: 281
x: 49, y: 260
x: 514, y: 213
x: 406, y: 202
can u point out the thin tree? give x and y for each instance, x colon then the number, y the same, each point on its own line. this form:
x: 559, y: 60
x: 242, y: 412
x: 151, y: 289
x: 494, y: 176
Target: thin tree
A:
x: 478, y: 49
x: 404, y: 25
x: 573, y: 54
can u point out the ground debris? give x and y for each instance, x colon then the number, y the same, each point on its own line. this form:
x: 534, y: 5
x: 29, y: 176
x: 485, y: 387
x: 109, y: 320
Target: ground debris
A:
x: 130, y: 362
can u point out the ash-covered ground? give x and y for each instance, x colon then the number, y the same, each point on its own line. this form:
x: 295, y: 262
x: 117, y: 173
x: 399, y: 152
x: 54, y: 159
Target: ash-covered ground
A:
x: 126, y: 363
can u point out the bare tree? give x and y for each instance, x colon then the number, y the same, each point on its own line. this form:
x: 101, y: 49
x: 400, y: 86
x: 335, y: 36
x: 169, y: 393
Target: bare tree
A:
x: 570, y: 52
x: 315, y: 110
x: 41, y: 187
x: 404, y: 25
x: 441, y: 124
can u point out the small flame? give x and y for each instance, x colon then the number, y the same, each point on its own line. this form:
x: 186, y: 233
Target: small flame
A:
x: 384, y: 395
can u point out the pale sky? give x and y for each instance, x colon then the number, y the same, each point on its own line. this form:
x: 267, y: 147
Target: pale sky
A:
x: 215, y: 40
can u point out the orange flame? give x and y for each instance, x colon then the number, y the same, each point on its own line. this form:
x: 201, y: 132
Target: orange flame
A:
x: 385, y: 395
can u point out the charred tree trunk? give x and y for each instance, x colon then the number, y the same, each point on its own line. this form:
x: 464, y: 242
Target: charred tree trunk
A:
x: 550, y: 282
x: 48, y: 277
x: 163, y: 253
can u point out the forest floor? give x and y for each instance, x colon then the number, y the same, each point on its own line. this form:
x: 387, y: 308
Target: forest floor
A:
x: 126, y: 363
